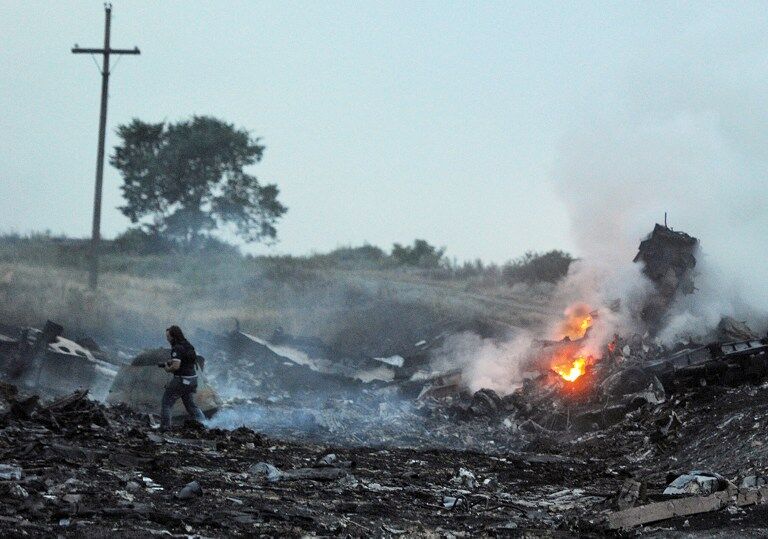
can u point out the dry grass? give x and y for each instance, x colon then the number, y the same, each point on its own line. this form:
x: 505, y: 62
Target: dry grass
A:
x: 32, y: 294
x: 372, y: 311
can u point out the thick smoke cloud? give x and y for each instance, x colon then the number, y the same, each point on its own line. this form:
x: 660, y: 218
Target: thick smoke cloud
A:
x: 683, y: 138
x: 681, y: 130
x: 620, y: 178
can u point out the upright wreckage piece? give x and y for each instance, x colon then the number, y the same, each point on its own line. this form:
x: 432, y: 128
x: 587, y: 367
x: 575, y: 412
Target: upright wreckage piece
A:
x: 668, y: 258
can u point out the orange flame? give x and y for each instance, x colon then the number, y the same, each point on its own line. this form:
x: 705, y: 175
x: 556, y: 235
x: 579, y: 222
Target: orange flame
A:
x: 578, y: 319
x: 571, y: 370
x: 567, y: 359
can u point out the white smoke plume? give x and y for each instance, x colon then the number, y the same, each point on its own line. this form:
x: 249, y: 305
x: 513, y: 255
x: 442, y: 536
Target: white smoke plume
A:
x: 485, y: 363
x: 614, y: 291
x: 678, y: 136
x: 618, y: 178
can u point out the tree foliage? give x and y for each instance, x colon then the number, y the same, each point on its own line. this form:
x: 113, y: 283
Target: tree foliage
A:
x: 184, y: 180
x: 534, y: 267
x: 421, y: 254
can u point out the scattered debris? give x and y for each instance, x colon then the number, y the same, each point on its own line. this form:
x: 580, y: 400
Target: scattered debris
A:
x: 655, y: 512
x: 388, y: 443
x: 465, y: 479
x: 696, y: 482
x: 46, y: 362
x: 631, y: 491
x: 190, y: 490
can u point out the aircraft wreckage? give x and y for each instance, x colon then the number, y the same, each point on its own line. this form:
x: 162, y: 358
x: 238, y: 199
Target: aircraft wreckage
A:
x: 588, y: 443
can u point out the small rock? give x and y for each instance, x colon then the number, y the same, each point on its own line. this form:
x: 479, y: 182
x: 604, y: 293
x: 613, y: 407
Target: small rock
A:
x: 449, y: 502
x: 10, y: 472
x: 190, y: 490
x: 267, y: 471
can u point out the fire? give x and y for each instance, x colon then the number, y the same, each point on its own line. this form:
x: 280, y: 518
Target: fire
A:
x: 573, y: 370
x: 569, y: 356
x: 578, y: 319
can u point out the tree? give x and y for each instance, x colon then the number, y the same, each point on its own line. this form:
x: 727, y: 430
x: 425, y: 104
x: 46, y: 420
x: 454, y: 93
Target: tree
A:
x: 534, y: 267
x: 421, y: 254
x: 187, y: 179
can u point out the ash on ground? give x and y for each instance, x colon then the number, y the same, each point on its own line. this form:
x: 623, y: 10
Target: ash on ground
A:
x: 305, y: 440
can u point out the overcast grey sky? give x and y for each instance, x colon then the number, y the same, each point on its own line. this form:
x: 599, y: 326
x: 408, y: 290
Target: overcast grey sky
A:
x: 473, y: 125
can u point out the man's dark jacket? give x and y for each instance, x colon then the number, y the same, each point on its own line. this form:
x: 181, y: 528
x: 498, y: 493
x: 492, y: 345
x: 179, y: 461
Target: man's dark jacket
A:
x: 184, y: 352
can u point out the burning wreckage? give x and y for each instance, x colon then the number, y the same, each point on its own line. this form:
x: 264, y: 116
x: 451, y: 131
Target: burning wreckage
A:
x: 595, y: 440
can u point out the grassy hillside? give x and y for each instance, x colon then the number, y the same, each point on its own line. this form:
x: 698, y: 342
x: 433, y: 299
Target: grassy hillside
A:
x: 356, y: 306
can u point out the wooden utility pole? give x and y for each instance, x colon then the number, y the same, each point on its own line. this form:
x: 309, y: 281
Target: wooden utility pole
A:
x: 93, y: 277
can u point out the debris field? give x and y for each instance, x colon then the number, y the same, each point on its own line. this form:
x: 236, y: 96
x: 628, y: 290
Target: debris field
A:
x: 302, y: 440
x: 73, y: 465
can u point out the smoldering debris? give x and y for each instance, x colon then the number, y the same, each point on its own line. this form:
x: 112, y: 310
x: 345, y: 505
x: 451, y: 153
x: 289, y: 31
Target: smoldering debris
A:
x: 457, y: 433
x: 122, y: 478
x: 74, y: 464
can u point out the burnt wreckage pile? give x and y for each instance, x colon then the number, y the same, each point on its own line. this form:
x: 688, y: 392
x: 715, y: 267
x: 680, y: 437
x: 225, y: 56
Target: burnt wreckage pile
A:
x: 636, y: 370
x: 73, y: 465
x: 47, y: 362
x: 731, y: 353
x: 647, y: 436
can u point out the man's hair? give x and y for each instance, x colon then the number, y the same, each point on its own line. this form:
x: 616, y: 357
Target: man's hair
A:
x: 176, y: 335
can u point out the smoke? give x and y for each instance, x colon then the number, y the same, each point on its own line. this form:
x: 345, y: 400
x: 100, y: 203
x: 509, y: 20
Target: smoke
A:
x: 682, y: 139
x: 270, y: 420
x: 616, y: 291
x: 361, y: 419
x: 680, y: 132
x: 484, y: 362
x: 619, y: 179
x: 719, y: 293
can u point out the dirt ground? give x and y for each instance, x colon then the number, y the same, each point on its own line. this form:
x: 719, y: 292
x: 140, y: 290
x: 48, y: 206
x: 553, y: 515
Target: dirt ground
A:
x: 88, y: 470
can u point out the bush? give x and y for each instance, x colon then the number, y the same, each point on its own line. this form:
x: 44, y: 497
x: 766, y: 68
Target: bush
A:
x: 136, y: 241
x: 43, y: 249
x: 420, y: 255
x: 534, y: 267
x: 363, y: 257
x: 139, y: 242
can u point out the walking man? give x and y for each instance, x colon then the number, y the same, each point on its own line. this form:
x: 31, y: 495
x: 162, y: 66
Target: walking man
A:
x: 183, y: 385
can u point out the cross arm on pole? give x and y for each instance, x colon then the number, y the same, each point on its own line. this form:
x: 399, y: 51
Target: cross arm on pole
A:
x: 80, y: 50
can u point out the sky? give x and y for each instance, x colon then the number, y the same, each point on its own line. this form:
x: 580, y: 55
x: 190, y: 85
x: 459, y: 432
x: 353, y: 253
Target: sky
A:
x: 490, y: 128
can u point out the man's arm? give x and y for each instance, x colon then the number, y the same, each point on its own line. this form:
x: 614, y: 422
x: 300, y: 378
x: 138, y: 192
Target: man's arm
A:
x: 172, y: 365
